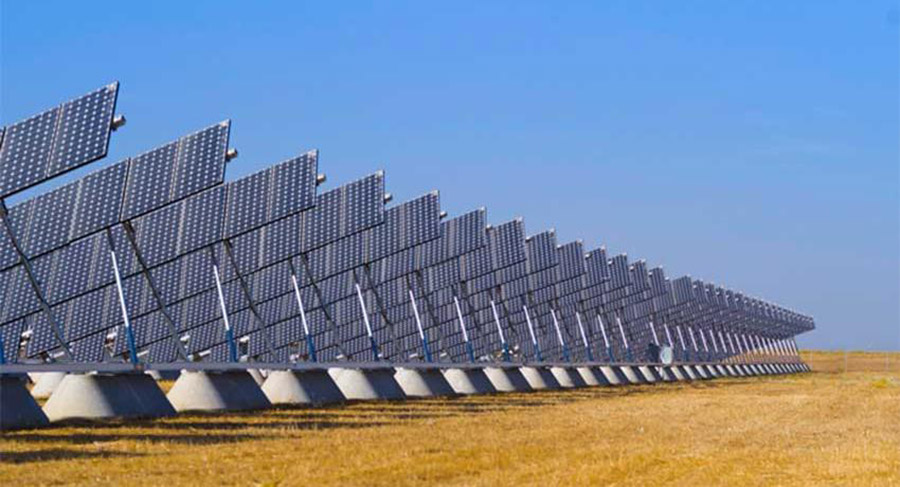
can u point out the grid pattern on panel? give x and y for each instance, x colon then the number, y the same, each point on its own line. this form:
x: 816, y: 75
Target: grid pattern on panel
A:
x: 541, y: 251
x: 619, y: 273
x: 176, y: 170
x: 57, y: 140
x: 271, y: 194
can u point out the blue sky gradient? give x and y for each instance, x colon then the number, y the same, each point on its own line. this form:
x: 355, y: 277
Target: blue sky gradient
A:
x: 756, y: 145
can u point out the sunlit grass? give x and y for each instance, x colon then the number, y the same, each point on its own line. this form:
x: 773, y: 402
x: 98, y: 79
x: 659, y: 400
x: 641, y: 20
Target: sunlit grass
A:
x: 822, y: 428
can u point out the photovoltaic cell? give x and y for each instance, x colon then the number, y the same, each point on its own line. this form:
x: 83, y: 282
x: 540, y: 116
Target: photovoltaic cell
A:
x: 507, y: 242
x: 571, y: 261
x: 99, y: 200
x: 541, y: 251
x: 193, y: 163
x: 57, y: 140
x: 639, y: 276
x: 48, y: 226
x: 201, y: 220
x: 620, y: 275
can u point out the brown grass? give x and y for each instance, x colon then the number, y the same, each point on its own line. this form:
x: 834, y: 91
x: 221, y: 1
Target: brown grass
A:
x: 824, y: 428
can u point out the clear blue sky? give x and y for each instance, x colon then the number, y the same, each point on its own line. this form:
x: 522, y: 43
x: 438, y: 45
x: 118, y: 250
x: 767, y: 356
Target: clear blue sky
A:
x: 754, y: 144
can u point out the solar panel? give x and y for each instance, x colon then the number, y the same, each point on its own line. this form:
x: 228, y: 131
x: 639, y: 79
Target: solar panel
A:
x: 176, y: 170
x: 276, y: 192
x: 99, y: 200
x: 541, y: 251
x: 57, y: 140
x: 49, y: 222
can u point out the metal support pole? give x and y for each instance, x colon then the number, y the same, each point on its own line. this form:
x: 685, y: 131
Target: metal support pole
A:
x: 537, y: 346
x: 362, y: 306
x: 694, y: 341
x: 628, y: 355
x: 653, y: 330
x: 151, y: 283
x: 562, y: 343
x: 462, y: 326
x: 733, y: 351
x: 415, y: 308
x: 609, y: 351
x: 712, y: 337
x: 245, y: 290
x: 229, y: 335
x: 587, y: 346
x: 310, y: 344
x: 684, y: 349
x: 506, y: 356
x: 705, y: 345
x: 33, y: 282
x: 129, y: 333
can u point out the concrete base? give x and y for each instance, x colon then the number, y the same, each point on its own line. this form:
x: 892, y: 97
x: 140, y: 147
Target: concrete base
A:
x: 367, y: 384
x: 721, y: 370
x: 423, y: 382
x: 309, y: 387
x: 46, y: 383
x: 731, y: 371
x: 699, y: 371
x: 18, y: 408
x: 159, y: 375
x: 675, y: 373
x: 567, y: 377
x: 664, y: 373
x: 233, y: 390
x: 711, y: 371
x: 613, y: 375
x: 707, y: 371
x: 469, y: 381
x: 507, y: 379
x: 591, y: 376
x: 540, y: 378
x: 688, y: 372
x: 648, y: 374
x: 632, y: 376
x: 98, y: 396
x: 257, y: 375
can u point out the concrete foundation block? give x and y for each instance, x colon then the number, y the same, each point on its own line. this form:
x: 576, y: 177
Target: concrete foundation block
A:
x: 539, y: 378
x: 367, y: 384
x: 507, y: 379
x: 613, y: 375
x: 469, y: 381
x: 591, y: 376
x: 257, y: 375
x: 423, y: 382
x: 676, y: 373
x: 101, y: 396
x: 632, y: 375
x: 567, y: 377
x: 46, y: 383
x: 159, y: 375
x: 664, y: 374
x: 232, y: 390
x: 18, y: 409
x: 302, y: 387
x: 648, y: 374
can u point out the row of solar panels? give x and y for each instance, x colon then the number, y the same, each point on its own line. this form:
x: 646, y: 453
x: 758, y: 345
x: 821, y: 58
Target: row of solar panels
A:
x: 296, y: 275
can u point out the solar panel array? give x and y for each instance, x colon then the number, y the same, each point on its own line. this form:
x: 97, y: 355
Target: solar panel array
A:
x: 264, y: 268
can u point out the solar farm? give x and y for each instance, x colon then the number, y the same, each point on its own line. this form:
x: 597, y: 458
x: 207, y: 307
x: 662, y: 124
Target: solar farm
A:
x: 268, y: 291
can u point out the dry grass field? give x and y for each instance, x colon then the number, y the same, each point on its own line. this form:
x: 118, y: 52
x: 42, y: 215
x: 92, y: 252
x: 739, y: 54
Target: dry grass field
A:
x: 825, y: 428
